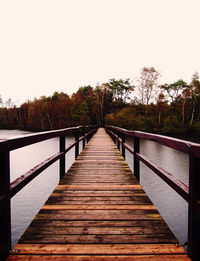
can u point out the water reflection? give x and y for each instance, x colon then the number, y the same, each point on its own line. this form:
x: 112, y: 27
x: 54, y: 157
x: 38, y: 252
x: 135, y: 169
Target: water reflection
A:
x: 26, y: 203
x: 172, y: 207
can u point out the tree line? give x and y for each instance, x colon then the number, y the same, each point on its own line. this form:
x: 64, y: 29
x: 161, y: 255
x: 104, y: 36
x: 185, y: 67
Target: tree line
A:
x: 171, y: 108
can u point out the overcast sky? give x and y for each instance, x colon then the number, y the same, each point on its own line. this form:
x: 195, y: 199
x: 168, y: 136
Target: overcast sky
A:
x: 60, y: 45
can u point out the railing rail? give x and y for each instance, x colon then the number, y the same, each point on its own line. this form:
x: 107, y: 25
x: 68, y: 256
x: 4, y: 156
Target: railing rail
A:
x: 8, y: 190
x: 190, y: 193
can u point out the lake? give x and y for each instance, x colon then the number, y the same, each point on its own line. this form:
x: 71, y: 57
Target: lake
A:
x: 26, y: 203
x: 172, y: 207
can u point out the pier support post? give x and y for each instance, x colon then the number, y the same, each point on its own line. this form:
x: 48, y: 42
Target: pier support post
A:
x: 5, y: 215
x: 194, y: 209
x: 136, y: 162
x: 62, y: 160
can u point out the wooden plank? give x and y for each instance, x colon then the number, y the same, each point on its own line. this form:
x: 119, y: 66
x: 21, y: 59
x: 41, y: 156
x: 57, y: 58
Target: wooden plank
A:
x: 99, y: 167
x: 127, y: 179
x: 97, y: 239
x: 98, y: 258
x: 94, y: 176
x: 98, y: 177
x: 107, y: 163
x: 98, y: 187
x: 62, y: 200
x: 76, y: 216
x: 106, y: 174
x: 98, y: 207
x: 98, y: 193
x: 98, y: 212
x: 104, y: 196
x: 98, y: 197
x: 99, y: 171
x: 99, y: 181
x: 98, y: 223
x: 102, y: 157
x: 89, y: 249
x: 113, y: 153
x: 105, y: 178
x: 93, y: 202
x: 102, y: 213
x: 98, y: 231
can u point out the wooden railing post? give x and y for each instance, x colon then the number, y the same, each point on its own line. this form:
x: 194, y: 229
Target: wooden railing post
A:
x: 118, y: 143
x: 136, y: 162
x: 88, y: 138
x: 114, y: 139
x: 62, y: 160
x: 123, y: 141
x: 5, y: 213
x: 194, y: 209
x: 112, y: 136
x: 77, y: 145
x: 84, y: 138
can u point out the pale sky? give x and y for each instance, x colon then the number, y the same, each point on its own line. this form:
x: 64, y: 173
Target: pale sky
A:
x: 61, y: 45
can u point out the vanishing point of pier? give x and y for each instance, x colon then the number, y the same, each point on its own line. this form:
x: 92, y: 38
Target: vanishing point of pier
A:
x: 98, y: 211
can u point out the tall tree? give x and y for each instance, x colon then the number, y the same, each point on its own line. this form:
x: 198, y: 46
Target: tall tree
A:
x: 120, y: 89
x: 195, y: 94
x: 174, y: 89
x: 162, y: 107
x: 99, y: 95
x: 85, y: 91
x: 183, y: 98
x: 148, y: 82
x: 24, y: 115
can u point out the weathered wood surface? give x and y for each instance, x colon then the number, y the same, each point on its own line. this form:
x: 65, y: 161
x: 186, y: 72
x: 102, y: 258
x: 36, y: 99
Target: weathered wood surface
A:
x: 98, y: 212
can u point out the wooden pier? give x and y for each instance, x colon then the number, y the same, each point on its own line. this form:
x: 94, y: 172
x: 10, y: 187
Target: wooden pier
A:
x: 98, y: 211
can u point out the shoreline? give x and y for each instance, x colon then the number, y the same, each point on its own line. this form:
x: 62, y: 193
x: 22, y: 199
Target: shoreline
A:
x: 187, y: 137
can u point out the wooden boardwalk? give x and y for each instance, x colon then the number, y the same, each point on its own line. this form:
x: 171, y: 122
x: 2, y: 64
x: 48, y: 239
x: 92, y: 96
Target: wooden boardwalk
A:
x: 98, y: 212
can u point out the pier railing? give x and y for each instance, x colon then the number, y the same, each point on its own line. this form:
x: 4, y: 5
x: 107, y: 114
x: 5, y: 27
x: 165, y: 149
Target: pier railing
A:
x: 8, y: 190
x: 190, y: 193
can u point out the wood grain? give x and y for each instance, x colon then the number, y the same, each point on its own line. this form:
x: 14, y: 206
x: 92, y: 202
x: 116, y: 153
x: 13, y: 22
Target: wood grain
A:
x: 98, y: 258
x: 90, y: 249
x: 98, y: 212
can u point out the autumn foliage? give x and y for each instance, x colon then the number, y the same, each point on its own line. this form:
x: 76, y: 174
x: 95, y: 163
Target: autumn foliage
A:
x: 147, y: 106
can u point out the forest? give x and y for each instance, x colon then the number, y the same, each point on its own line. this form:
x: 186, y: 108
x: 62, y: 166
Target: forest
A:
x: 170, y: 109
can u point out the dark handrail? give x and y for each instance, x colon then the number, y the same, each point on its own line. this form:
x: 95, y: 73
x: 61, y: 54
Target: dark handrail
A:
x: 16, y: 143
x: 191, y: 194
x: 177, y: 185
x: 24, y: 179
x: 7, y: 190
x: 177, y: 144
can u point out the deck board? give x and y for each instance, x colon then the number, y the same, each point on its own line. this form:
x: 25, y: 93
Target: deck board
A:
x: 98, y: 211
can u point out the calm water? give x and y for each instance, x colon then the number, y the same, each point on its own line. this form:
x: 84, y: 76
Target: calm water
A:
x: 28, y: 201
x: 172, y: 207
